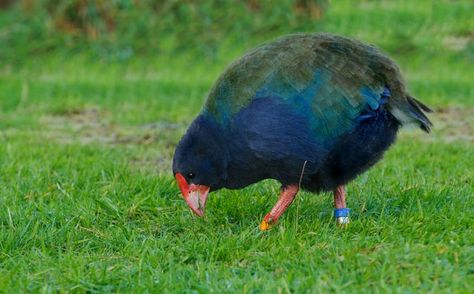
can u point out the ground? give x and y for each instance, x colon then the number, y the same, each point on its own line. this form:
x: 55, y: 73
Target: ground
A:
x: 88, y: 201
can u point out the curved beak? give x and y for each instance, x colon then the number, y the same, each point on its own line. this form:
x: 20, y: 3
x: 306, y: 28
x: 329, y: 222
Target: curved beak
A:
x: 195, y: 195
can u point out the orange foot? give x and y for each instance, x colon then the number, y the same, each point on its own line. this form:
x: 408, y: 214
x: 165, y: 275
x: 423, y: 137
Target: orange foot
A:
x: 266, y: 223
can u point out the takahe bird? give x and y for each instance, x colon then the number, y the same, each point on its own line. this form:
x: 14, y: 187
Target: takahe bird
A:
x: 311, y: 111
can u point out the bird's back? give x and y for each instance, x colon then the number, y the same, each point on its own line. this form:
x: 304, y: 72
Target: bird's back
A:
x: 328, y: 79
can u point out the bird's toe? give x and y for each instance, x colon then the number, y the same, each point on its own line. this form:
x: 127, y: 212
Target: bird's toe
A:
x: 267, y: 222
x: 264, y: 226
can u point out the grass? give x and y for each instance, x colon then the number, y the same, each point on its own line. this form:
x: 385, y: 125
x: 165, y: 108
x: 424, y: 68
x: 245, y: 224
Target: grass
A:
x: 88, y: 202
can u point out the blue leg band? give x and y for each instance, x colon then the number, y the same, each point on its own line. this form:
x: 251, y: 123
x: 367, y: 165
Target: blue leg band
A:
x: 341, y: 212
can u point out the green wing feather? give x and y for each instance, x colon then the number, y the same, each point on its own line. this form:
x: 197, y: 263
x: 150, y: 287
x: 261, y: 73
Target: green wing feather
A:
x: 332, y: 77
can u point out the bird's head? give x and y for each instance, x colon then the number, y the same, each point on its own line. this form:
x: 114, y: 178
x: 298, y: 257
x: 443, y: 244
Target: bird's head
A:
x: 199, y: 163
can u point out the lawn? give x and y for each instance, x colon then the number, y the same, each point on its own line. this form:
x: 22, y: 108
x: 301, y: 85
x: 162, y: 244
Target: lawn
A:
x: 88, y: 202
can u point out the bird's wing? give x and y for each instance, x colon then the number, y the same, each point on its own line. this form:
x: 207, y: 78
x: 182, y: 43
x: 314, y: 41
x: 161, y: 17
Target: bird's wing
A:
x: 331, y: 80
x: 277, y: 134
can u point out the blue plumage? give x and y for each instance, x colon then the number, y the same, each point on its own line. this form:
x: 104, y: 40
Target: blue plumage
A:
x: 309, y: 110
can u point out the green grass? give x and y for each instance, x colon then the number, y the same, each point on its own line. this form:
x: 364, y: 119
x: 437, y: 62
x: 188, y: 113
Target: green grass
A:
x: 88, y: 202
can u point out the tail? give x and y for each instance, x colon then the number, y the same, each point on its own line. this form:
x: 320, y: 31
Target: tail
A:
x: 417, y: 110
x: 411, y: 111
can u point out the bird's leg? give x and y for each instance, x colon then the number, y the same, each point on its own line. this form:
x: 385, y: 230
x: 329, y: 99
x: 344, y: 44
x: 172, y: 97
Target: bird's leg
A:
x: 287, y: 196
x: 341, y: 212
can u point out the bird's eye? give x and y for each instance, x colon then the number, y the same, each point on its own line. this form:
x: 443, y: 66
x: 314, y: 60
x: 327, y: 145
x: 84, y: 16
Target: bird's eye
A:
x: 191, y: 175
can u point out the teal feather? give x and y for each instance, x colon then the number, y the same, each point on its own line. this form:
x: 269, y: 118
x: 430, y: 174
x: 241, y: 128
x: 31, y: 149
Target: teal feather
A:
x: 329, y: 79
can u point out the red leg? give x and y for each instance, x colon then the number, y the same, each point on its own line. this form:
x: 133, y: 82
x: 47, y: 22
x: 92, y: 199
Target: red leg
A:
x: 341, y: 212
x: 340, y: 197
x: 287, y: 196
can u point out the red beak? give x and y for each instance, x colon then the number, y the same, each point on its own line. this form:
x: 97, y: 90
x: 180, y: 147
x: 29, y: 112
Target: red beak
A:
x: 195, y: 195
